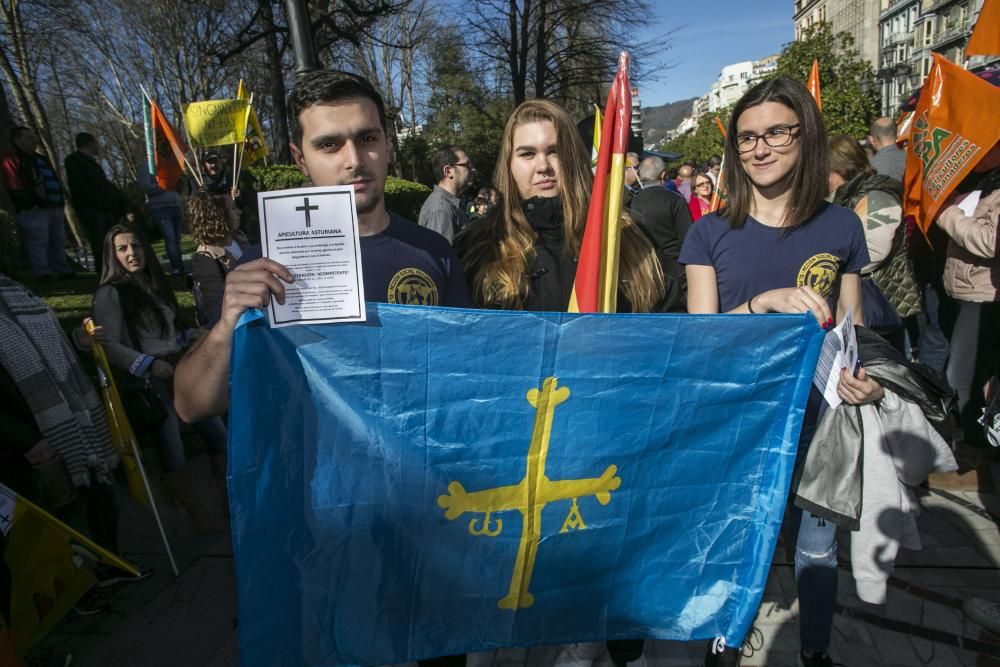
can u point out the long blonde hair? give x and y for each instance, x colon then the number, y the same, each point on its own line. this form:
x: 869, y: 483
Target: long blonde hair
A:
x: 498, y: 260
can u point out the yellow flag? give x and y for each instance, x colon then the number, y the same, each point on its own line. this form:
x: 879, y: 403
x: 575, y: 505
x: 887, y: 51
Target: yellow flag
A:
x: 256, y: 146
x: 216, y: 122
x: 49, y: 574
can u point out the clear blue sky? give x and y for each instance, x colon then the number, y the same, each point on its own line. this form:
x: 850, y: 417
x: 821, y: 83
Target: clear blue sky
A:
x: 725, y: 32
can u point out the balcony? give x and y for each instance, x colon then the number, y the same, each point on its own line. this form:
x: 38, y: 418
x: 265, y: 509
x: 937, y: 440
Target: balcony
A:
x: 897, y: 38
x: 935, y: 5
x: 949, y: 35
x: 896, y: 6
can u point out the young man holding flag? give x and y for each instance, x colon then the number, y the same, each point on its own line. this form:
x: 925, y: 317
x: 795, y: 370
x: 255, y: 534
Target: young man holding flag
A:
x: 339, y: 139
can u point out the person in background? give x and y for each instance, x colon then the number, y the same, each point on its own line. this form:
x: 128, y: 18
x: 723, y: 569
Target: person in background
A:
x: 442, y: 210
x: 972, y: 279
x: 38, y: 204
x: 701, y: 196
x: 683, y: 182
x: 57, y: 444
x: 165, y: 210
x: 889, y: 159
x: 145, y: 336
x: 214, y: 223
x: 878, y: 201
x: 98, y: 201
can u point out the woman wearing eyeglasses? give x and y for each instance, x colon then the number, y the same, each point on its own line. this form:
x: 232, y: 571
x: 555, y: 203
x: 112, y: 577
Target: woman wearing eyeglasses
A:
x: 701, y: 196
x: 777, y: 247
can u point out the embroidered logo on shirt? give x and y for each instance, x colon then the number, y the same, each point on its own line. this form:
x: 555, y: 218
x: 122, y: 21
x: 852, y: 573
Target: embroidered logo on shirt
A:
x: 820, y: 273
x: 413, y: 287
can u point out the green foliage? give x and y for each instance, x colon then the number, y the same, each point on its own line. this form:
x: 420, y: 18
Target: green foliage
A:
x: 847, y: 84
x: 705, y: 141
x: 405, y: 197
x: 401, y: 196
x: 277, y: 177
x: 461, y: 110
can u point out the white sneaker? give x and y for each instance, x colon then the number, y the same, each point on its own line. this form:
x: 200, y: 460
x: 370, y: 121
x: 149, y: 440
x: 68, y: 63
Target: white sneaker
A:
x: 984, y: 612
x: 579, y: 655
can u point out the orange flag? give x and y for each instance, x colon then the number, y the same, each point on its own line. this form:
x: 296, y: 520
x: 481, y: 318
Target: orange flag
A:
x: 813, y: 84
x: 169, y: 151
x: 719, y: 192
x: 595, y: 287
x: 985, y: 39
x: 954, y: 125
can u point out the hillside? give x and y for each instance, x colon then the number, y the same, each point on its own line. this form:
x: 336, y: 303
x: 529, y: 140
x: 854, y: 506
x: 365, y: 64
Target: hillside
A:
x: 657, y: 121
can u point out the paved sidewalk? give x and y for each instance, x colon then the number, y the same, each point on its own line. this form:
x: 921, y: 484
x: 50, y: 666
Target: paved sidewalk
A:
x: 191, y: 620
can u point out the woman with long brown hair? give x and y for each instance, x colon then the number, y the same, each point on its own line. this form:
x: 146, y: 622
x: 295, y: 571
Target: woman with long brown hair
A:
x: 777, y: 247
x: 145, y: 335
x: 522, y: 254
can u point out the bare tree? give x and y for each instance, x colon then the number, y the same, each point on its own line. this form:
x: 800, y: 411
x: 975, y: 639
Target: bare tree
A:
x: 564, y: 50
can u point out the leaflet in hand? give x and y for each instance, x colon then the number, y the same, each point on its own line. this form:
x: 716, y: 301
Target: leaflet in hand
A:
x: 314, y: 233
x: 839, y: 351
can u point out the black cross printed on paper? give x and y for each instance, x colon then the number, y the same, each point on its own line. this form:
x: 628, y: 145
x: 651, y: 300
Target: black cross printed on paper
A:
x: 306, y: 208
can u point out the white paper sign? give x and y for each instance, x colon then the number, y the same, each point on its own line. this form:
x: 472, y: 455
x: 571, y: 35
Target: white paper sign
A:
x: 314, y: 233
x: 839, y: 351
x: 970, y: 202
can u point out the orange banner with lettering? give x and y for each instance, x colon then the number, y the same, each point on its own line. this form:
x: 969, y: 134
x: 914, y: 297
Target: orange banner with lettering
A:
x: 985, y: 39
x: 954, y: 125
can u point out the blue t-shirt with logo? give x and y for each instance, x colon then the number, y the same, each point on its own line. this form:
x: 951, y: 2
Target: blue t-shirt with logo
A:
x: 406, y: 264
x: 757, y: 258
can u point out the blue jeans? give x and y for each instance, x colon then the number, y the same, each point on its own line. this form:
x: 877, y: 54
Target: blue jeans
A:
x: 815, y: 579
x: 212, y: 431
x: 170, y: 220
x: 45, y: 238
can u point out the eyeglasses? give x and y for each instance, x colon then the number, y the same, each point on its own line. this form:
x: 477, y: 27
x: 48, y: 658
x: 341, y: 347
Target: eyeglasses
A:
x: 706, y: 184
x: 776, y: 137
x: 467, y: 165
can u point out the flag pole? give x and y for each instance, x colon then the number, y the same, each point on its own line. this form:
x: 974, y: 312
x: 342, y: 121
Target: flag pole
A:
x: 107, y: 387
x: 717, y: 190
x: 243, y: 146
x: 186, y: 162
x: 152, y: 505
x: 100, y: 552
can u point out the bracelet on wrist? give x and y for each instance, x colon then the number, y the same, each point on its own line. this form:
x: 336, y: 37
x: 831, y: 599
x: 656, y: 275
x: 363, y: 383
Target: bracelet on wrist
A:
x: 750, y: 305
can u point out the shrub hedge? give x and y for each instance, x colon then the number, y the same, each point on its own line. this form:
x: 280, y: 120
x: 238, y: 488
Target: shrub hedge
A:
x: 401, y: 196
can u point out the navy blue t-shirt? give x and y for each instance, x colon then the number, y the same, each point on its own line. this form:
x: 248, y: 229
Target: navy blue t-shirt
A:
x: 757, y: 258
x: 406, y: 264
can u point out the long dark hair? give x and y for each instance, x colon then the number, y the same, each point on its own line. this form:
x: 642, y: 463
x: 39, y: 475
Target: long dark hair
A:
x: 138, y: 301
x: 809, y: 176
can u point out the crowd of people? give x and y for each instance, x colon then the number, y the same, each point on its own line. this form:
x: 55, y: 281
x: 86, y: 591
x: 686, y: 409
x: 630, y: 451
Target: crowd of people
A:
x: 810, y: 224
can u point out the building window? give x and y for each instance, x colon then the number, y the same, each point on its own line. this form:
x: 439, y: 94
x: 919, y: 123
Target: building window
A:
x: 928, y: 30
x: 926, y: 66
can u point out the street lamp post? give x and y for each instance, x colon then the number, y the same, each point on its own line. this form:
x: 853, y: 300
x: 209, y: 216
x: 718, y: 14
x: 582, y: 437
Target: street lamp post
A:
x: 300, y: 32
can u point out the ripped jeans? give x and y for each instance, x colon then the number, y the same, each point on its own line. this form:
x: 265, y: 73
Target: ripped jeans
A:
x: 815, y: 578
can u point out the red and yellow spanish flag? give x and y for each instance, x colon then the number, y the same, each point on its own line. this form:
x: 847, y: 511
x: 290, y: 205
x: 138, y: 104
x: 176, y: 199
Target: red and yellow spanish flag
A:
x: 813, y: 84
x: 164, y: 151
x: 985, y: 39
x: 595, y: 288
x: 954, y: 125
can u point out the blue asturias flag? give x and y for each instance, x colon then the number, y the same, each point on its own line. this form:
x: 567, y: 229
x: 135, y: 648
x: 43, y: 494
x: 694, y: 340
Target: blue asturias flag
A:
x: 438, y: 481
